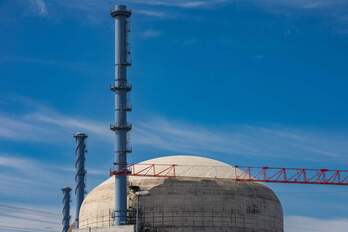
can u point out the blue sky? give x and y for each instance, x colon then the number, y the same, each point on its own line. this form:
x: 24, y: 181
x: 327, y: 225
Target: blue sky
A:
x: 248, y: 82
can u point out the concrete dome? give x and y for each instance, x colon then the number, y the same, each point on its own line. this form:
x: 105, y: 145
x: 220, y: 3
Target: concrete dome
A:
x: 193, y: 166
x: 196, y: 198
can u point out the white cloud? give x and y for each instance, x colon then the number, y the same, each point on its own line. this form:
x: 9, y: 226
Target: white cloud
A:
x: 17, y: 128
x: 164, y: 135
x: 29, y: 180
x: 151, y: 33
x: 40, y: 6
x: 100, y: 6
x: 66, y: 122
x: 309, y: 224
x: 93, y: 9
x: 278, y: 141
x: 191, y: 4
x: 152, y: 13
x: 6, y: 161
x: 294, y: 4
x: 38, y: 176
x: 90, y: 171
x: 334, y: 11
x: 47, y: 126
x: 301, y: 4
x: 28, y: 218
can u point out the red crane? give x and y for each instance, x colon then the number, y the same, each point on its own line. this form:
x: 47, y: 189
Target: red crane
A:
x: 242, y: 173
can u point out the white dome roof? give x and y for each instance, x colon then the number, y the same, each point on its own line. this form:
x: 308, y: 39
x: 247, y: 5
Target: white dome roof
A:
x: 99, y: 203
x: 192, y: 166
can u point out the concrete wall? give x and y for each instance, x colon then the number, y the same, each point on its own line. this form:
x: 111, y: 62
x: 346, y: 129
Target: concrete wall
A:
x: 192, y: 204
x: 210, y: 205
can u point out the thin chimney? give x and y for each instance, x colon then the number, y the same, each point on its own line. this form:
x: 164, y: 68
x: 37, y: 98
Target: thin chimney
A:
x: 121, y: 127
x: 80, y: 172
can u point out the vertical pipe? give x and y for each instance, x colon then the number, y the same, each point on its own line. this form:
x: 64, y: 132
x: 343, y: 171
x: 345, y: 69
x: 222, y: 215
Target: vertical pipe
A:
x: 121, y: 127
x: 80, y: 172
x: 66, y: 208
x: 137, y: 216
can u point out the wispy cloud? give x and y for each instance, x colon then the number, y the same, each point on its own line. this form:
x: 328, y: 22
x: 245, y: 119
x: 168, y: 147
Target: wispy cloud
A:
x: 274, y: 141
x: 6, y: 161
x: 309, y: 224
x: 39, y: 177
x: 29, y: 180
x: 29, y: 218
x: 95, y: 5
x: 301, y: 4
x: 334, y: 11
x: 153, y: 13
x: 151, y: 33
x: 94, y: 9
x: 191, y: 4
x: 42, y: 125
x: 40, y: 7
x: 18, y: 128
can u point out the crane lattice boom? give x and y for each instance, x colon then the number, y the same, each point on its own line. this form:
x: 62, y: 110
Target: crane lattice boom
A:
x: 241, y: 173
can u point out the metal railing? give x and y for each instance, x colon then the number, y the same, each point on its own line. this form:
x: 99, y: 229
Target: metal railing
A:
x: 153, y: 220
x: 106, y: 220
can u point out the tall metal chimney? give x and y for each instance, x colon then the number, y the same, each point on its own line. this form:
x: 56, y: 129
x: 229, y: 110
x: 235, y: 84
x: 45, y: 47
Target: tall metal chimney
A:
x: 66, y: 208
x: 121, y: 127
x: 80, y: 172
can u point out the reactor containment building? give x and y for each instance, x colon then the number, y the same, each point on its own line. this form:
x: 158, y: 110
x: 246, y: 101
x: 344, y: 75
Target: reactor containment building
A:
x: 205, y: 198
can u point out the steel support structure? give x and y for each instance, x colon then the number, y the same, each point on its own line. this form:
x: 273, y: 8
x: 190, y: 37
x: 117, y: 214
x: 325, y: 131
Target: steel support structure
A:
x: 121, y: 127
x: 80, y: 175
x: 66, y: 208
x: 243, y: 173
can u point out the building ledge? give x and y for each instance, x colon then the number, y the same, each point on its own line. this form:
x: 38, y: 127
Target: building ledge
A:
x: 125, y: 228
